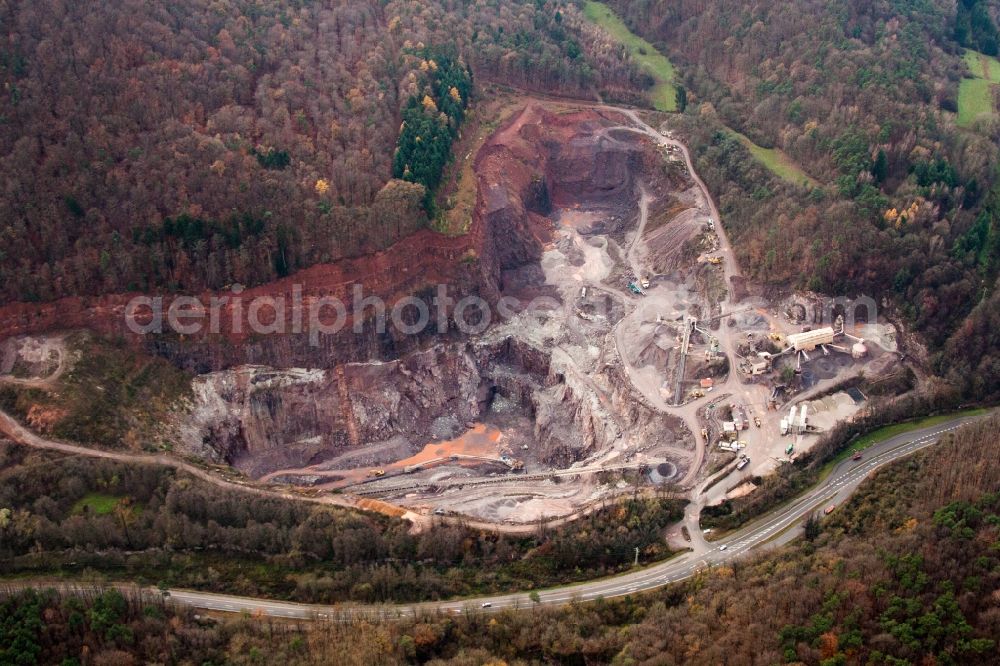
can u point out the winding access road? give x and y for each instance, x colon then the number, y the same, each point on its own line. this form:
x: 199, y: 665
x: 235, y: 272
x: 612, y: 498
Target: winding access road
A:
x: 776, y: 528
x: 731, y: 272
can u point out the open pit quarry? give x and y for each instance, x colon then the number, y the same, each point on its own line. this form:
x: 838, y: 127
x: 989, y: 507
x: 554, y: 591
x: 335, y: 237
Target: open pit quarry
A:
x: 535, y: 417
x: 621, y: 316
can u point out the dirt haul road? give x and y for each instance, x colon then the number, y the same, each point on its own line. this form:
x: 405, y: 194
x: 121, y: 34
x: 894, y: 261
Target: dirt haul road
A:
x: 728, y: 339
x: 774, y: 529
x: 642, y: 381
x: 645, y: 386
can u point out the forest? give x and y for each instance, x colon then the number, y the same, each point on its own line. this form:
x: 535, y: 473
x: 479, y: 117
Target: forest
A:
x: 195, y: 148
x: 186, y: 145
x: 431, y: 123
x: 76, y: 517
x: 863, y: 95
x: 903, y: 573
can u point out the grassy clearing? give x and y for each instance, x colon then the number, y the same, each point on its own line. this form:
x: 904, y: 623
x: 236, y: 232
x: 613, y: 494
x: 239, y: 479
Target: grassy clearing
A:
x: 983, y: 66
x: 974, y: 100
x: 778, y: 163
x: 97, y: 503
x: 888, y: 432
x: 457, y: 197
x: 975, y: 95
x: 663, y: 94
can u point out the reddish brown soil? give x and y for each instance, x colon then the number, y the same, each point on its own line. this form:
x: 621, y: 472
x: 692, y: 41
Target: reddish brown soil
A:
x: 515, y: 173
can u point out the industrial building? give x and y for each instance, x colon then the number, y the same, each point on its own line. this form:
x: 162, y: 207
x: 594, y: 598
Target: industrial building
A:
x: 797, y: 422
x: 740, y: 418
x: 809, y: 340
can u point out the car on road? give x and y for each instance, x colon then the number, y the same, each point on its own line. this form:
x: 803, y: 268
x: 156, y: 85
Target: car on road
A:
x: 829, y: 509
x: 723, y: 547
x: 487, y: 604
x: 858, y: 456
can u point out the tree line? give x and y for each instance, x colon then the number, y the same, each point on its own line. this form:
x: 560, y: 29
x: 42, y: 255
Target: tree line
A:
x: 863, y: 96
x: 431, y: 121
x: 903, y: 573
x: 119, y: 119
x: 152, y: 524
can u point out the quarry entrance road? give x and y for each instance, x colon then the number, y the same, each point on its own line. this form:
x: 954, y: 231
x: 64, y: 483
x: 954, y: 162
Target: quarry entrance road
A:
x: 13, y: 430
x: 644, y: 384
x: 687, y: 412
x: 776, y: 528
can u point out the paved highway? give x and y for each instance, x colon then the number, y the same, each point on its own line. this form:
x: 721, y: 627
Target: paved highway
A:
x: 776, y: 528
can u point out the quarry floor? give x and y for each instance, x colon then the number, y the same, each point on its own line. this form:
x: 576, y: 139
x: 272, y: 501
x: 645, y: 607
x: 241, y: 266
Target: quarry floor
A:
x: 614, y: 348
x: 600, y: 322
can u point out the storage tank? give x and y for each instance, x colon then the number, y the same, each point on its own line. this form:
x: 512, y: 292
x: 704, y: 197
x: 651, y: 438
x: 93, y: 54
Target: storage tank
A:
x: 859, y: 350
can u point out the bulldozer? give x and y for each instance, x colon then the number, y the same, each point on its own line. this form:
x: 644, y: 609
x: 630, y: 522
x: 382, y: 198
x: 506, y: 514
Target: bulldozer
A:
x: 715, y: 261
x: 375, y: 473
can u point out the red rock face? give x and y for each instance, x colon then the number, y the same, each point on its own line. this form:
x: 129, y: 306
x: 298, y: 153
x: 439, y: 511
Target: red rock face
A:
x: 534, y: 155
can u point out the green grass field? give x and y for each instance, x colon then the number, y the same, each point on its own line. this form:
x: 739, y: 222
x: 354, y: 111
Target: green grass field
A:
x: 663, y: 94
x: 975, y: 95
x: 778, y: 163
x: 96, y: 503
x: 887, y: 432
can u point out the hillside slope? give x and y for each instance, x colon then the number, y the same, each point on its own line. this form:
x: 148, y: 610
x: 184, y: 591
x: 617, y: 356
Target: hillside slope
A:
x: 189, y: 145
x: 864, y: 95
x: 905, y: 573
